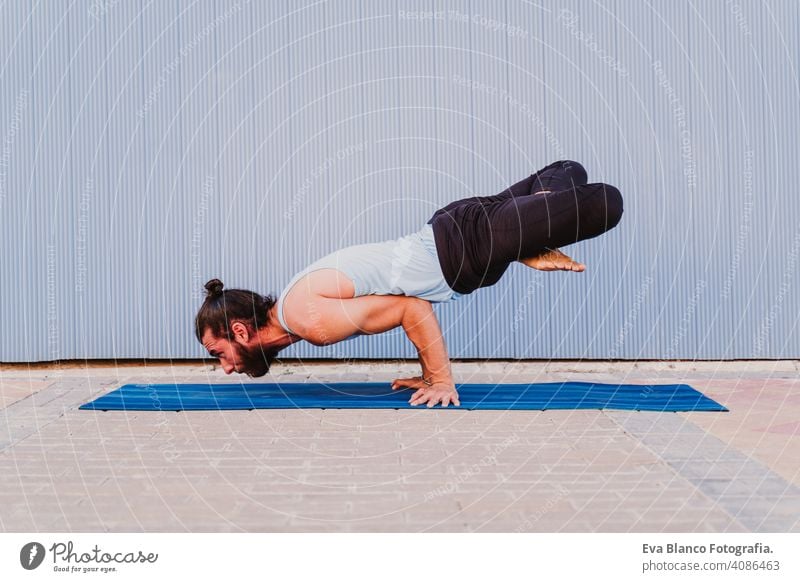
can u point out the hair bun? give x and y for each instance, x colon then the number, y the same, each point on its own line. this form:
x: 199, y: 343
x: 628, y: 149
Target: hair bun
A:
x: 214, y: 288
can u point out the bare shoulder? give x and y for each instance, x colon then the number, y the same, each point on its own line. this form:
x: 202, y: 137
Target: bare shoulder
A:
x: 328, y: 282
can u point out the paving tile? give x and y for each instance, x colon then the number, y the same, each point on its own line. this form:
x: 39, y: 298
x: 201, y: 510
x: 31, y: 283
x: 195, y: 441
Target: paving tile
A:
x: 398, y: 470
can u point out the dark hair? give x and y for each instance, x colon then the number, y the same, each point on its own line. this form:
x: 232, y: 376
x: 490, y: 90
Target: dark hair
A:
x: 221, y: 308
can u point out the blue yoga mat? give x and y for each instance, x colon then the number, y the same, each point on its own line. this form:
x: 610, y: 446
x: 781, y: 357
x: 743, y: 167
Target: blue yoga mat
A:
x: 550, y: 396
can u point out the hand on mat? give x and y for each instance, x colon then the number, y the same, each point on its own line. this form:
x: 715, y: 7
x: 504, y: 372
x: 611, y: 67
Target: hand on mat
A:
x: 433, y: 394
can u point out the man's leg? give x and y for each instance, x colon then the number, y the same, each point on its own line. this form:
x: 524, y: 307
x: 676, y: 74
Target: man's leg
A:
x: 527, y: 226
x: 560, y: 175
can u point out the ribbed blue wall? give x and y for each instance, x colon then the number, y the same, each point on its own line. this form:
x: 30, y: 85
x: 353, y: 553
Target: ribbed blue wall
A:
x: 150, y: 145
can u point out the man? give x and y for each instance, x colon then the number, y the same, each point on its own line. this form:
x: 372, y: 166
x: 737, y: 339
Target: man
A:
x: 376, y: 287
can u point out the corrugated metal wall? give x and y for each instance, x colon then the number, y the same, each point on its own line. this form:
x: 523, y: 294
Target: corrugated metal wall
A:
x: 150, y: 145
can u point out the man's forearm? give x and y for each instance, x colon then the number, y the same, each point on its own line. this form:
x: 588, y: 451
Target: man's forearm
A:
x: 422, y: 328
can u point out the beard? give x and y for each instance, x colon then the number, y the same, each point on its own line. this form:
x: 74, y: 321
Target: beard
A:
x: 254, y: 361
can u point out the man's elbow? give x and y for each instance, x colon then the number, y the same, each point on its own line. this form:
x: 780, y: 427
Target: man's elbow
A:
x: 422, y: 304
x: 415, y: 310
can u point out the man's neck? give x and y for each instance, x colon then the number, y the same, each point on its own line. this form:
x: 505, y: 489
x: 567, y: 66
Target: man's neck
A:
x: 273, y: 335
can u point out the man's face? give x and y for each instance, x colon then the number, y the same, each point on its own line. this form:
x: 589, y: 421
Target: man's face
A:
x: 250, y: 359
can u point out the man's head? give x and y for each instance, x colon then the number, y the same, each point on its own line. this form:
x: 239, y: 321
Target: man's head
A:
x: 228, y: 325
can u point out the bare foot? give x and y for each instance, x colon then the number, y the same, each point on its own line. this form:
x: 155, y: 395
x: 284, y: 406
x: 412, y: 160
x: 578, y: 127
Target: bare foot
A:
x: 553, y: 260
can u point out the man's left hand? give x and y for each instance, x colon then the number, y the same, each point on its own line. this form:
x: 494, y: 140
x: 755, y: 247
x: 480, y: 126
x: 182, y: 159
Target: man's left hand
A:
x: 432, y: 394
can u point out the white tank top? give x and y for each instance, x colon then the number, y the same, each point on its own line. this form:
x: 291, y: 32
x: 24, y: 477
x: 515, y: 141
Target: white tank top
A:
x: 408, y: 266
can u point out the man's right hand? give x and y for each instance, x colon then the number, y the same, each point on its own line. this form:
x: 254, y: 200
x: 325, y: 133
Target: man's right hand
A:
x: 432, y: 394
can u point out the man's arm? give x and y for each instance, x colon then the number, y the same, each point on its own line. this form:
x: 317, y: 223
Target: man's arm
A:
x: 422, y: 328
x: 330, y: 320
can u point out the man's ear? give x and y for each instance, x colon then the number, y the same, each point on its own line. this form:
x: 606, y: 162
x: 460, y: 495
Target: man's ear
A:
x: 240, y: 333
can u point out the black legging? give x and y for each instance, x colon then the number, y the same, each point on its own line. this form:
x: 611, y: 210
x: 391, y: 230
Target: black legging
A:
x: 521, y: 222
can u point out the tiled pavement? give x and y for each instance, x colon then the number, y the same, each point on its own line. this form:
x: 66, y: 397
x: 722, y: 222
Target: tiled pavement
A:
x: 62, y: 469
